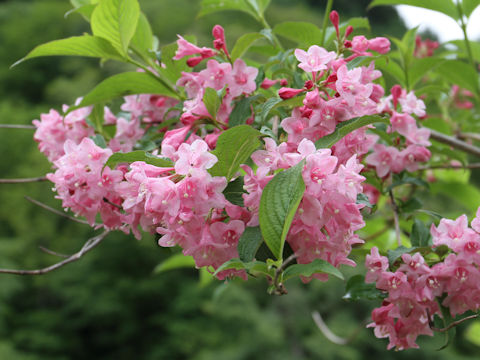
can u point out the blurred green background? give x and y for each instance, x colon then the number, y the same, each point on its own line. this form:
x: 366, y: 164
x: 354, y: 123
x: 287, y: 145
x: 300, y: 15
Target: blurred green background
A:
x: 110, y: 305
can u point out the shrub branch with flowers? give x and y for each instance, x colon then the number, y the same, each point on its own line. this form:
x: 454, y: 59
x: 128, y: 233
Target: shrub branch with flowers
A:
x: 260, y: 161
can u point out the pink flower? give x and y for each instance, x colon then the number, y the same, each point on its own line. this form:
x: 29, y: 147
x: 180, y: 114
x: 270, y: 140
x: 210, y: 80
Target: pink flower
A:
x: 315, y: 59
x: 194, y: 157
x: 385, y: 160
x: 375, y: 264
x: 476, y: 221
x: 216, y: 75
x: 186, y: 48
x: 242, y: 79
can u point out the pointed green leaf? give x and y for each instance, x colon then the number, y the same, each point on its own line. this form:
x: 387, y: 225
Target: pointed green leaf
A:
x: 116, y: 21
x: 459, y: 73
x: 243, y: 43
x: 234, y: 192
x: 85, y: 45
x: 278, y: 205
x: 234, y: 147
x: 176, y: 261
x: 469, y: 6
x: 137, y: 155
x: 303, y: 33
x: 212, y: 6
x: 420, y: 236
x: 128, y: 83
x: 242, y: 111
x: 347, y: 127
x: 268, y: 106
x: 249, y: 243
x: 357, y: 289
x: 444, y: 6
x: 315, y: 267
x: 142, y: 40
x: 212, y: 101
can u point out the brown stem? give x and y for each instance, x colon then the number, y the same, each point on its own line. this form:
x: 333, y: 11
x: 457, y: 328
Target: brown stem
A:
x: 469, y: 136
x: 51, y: 252
x: 317, y: 318
x: 280, y: 289
x: 395, y: 218
x: 24, y: 180
x: 55, y: 211
x: 455, y: 323
x: 12, y: 126
x: 450, y: 166
x: 457, y: 144
x: 89, y: 245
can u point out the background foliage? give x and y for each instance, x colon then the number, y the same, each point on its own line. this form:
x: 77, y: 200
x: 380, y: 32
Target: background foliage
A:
x: 111, y: 305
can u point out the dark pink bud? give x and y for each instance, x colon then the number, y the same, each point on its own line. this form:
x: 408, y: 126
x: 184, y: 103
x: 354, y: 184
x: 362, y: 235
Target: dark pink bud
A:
x: 308, y: 84
x: 334, y: 18
x: 396, y: 92
x: 283, y: 82
x: 306, y: 112
x: 348, y: 31
x: 347, y: 44
x: 331, y: 78
x: 219, y: 35
x: 267, y: 83
x: 194, y: 61
x: 218, y: 32
x: 287, y: 93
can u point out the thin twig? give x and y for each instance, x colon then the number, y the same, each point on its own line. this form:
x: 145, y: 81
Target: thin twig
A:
x: 467, y: 136
x: 457, y: 144
x: 317, y: 318
x: 89, y: 245
x: 24, y: 180
x: 55, y: 211
x: 280, y: 289
x: 450, y: 166
x: 51, y: 252
x: 112, y: 203
x: 455, y: 323
x: 395, y: 218
x: 12, y: 126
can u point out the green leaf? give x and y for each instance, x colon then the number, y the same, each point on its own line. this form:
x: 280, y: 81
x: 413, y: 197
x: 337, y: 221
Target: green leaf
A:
x: 394, y: 255
x: 243, y: 44
x: 420, y: 236
x: 137, y: 155
x: 278, y: 205
x: 85, y: 45
x: 346, y: 127
x: 268, y: 106
x: 212, y: 101
x: 249, y: 243
x: 474, y: 46
x: 85, y: 10
x: 360, y: 61
x: 469, y: 6
x: 315, y: 267
x: 142, y: 39
x: 116, y: 21
x: 212, y: 6
x: 176, y: 261
x: 459, y: 73
x: 420, y: 68
x: 234, y: 191
x: 99, y: 140
x: 128, y: 83
x: 363, y: 199
x: 392, y: 68
x: 234, y: 147
x: 254, y: 267
x: 357, y: 289
x: 444, y: 6
x: 472, y: 333
x: 303, y: 33
x: 242, y: 111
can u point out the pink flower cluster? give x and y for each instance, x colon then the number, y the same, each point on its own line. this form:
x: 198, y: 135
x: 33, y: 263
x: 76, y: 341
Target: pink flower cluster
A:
x: 415, y: 288
x: 389, y: 159
x: 328, y: 214
x: 185, y: 205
